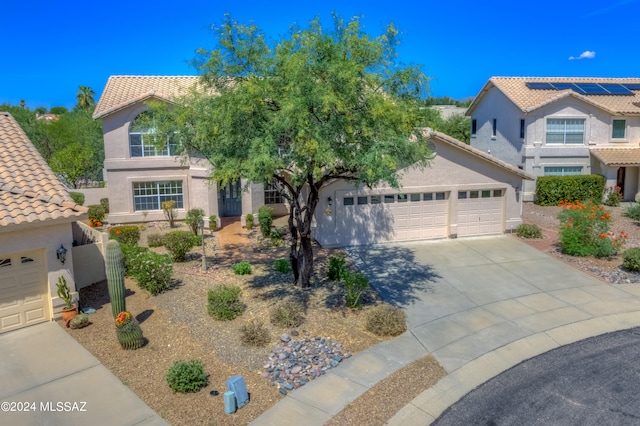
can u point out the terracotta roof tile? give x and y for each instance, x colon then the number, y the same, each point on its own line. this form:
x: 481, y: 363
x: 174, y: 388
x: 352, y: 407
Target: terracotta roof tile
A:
x: 529, y: 100
x: 124, y: 90
x: 618, y: 156
x: 29, y: 190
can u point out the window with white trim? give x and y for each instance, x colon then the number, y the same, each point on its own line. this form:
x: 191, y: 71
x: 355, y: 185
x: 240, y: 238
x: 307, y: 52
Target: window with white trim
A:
x: 494, y: 128
x: 522, y: 128
x: 271, y: 194
x: 150, y: 195
x: 618, y: 129
x: 565, y: 131
x: 144, y: 142
x: 562, y: 170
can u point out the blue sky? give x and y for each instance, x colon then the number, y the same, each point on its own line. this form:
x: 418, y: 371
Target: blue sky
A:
x: 50, y: 48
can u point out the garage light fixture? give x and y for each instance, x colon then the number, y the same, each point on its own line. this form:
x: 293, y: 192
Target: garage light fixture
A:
x: 62, y: 254
x: 330, y: 201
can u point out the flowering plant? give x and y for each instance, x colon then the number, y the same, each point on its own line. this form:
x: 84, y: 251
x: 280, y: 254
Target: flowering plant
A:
x: 123, y: 318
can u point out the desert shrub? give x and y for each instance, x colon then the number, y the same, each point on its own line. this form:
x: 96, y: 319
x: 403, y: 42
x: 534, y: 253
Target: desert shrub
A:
x: 276, y: 238
x: 187, y: 376
x: 104, y: 202
x: 213, y: 222
x: 77, y: 197
x: 633, y: 211
x: 179, y: 243
x: 612, y: 196
x: 287, y: 314
x: 249, y: 221
x: 125, y: 234
x: 193, y: 218
x: 130, y: 253
x: 584, y: 231
x: 254, y: 333
x: 96, y: 212
x: 355, y: 285
x: 282, y: 265
x: 265, y: 218
x: 631, y: 259
x: 170, y: 211
x: 241, y: 268
x: 224, y: 302
x: 527, y: 230
x: 337, y: 268
x: 153, y: 271
x: 386, y: 320
x: 551, y: 190
x: 155, y: 240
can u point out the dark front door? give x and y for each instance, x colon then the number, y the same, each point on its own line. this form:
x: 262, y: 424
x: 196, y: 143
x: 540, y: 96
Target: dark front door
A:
x: 230, y: 200
x: 620, y: 180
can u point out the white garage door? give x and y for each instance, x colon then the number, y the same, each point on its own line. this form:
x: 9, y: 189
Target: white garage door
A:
x: 24, y: 297
x: 394, y: 217
x: 480, y: 212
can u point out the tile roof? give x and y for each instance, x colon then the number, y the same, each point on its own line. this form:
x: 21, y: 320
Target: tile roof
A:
x: 124, y: 90
x: 529, y: 100
x: 618, y: 156
x: 478, y: 153
x: 29, y: 190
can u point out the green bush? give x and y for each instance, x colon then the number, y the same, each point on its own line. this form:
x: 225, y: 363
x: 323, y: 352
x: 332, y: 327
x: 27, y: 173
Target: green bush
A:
x: 265, y: 218
x: 527, y: 230
x: 193, y: 218
x: 613, y: 196
x: 249, y: 221
x: 104, y: 202
x: 386, y: 320
x: 153, y: 271
x: 213, y: 222
x: 337, y: 268
x: 276, y: 238
x: 552, y: 190
x: 254, y: 333
x: 187, y: 376
x: 287, y: 314
x: 282, y: 265
x: 631, y: 259
x: 224, y: 303
x: 355, y: 285
x: 633, y: 211
x: 179, y: 243
x: 96, y: 212
x: 130, y: 254
x: 170, y: 211
x: 155, y: 240
x: 125, y: 234
x: 241, y: 268
x: 77, y: 197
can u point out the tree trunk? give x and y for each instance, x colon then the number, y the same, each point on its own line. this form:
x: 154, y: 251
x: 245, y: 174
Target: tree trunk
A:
x: 301, y: 252
x: 293, y: 251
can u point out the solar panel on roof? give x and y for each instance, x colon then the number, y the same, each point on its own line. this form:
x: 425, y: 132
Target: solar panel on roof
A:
x: 533, y: 85
x: 616, y: 89
x: 593, y: 89
x: 632, y: 86
x: 565, y: 86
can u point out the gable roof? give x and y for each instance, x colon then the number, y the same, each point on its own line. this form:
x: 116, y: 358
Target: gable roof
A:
x: 441, y: 137
x: 29, y: 190
x: 528, y: 100
x: 124, y: 90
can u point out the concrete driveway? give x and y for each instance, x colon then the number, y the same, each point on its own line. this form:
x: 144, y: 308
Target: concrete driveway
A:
x: 47, y: 378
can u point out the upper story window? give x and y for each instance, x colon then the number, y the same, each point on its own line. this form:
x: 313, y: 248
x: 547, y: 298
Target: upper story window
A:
x: 144, y: 142
x: 494, y: 129
x: 565, y: 130
x: 618, y: 129
x: 522, y: 128
x: 474, y: 127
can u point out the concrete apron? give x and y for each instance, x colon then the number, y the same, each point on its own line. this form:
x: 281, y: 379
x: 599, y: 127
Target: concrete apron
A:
x: 48, y: 378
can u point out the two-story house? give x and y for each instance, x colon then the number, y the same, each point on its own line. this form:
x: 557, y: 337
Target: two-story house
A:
x: 140, y: 176
x: 562, y: 126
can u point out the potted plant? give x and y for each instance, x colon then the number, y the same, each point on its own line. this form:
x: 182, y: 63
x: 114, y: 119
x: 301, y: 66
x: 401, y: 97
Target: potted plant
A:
x: 70, y: 310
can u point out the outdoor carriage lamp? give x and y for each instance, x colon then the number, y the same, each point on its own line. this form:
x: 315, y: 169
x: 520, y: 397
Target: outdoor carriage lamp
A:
x: 61, y: 253
x: 330, y: 201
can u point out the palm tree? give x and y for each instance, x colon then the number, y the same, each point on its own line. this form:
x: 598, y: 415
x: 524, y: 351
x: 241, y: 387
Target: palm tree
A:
x: 85, y: 97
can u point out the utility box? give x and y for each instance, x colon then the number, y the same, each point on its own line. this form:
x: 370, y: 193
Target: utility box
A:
x: 237, y: 385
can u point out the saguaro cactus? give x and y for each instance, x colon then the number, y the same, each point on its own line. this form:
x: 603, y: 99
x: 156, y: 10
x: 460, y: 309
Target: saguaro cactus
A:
x: 115, y: 277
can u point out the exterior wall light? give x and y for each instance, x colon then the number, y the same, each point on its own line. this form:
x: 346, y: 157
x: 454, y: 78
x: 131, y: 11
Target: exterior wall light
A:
x: 330, y: 201
x: 61, y: 253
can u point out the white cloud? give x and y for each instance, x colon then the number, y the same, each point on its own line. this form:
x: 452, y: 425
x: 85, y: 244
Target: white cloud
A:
x: 587, y: 54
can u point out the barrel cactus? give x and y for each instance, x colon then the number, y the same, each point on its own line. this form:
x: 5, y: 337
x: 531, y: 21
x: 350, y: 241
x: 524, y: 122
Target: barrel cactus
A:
x: 128, y: 331
x: 115, y: 277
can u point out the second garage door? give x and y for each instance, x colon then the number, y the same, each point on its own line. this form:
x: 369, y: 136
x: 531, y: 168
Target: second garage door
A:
x: 480, y: 212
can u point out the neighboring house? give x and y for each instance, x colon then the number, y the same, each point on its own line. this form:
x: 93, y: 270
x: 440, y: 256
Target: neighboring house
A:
x: 448, y: 111
x: 140, y: 177
x: 36, y: 219
x: 464, y: 192
x: 562, y: 126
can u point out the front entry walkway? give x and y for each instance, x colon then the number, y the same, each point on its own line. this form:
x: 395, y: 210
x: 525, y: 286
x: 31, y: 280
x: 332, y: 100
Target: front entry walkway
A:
x: 479, y: 305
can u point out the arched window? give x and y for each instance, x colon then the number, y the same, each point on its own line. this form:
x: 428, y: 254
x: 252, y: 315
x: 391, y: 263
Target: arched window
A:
x: 144, y: 142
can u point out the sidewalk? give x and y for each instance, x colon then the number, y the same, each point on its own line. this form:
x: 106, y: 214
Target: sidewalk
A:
x: 480, y: 306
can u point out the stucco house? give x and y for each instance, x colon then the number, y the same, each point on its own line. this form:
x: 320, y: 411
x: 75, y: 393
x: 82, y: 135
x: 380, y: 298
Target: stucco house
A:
x: 140, y: 177
x: 562, y: 126
x: 36, y: 218
x: 465, y: 192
